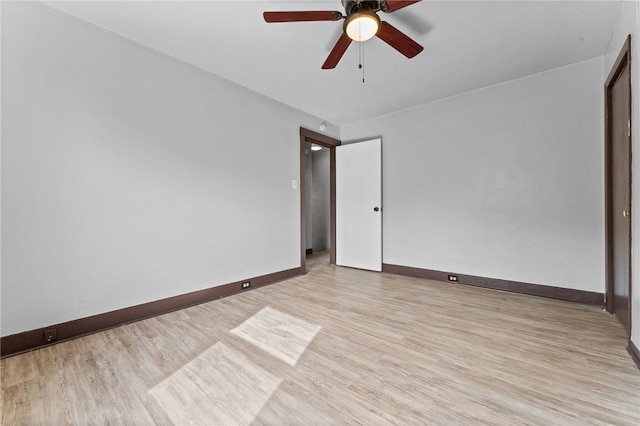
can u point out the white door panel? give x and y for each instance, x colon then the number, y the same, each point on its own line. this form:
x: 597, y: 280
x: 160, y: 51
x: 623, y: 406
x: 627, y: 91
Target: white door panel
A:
x: 358, y: 195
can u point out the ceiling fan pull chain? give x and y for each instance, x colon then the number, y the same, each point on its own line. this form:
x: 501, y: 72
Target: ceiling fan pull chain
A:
x: 361, y: 43
x: 361, y: 51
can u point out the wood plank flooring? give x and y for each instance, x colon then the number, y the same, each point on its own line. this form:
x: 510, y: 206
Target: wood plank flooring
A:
x: 369, y: 348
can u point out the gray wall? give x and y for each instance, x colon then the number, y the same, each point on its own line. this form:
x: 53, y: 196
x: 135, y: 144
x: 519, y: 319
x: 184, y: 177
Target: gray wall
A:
x: 503, y: 182
x: 128, y: 176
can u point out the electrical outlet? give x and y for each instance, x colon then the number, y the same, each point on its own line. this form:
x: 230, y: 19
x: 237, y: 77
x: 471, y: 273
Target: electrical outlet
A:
x: 51, y: 335
x: 246, y: 284
x: 452, y: 278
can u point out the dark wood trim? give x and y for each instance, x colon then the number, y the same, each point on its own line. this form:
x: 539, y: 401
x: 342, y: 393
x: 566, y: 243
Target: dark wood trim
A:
x: 608, y: 201
x: 309, y: 136
x: 571, y: 295
x: 332, y: 212
x: 318, y: 138
x: 622, y: 61
x: 634, y: 352
x: 303, y: 214
x: 34, y: 339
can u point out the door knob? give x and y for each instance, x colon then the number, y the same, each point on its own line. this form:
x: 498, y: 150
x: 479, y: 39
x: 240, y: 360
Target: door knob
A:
x: 625, y: 213
x: 375, y: 209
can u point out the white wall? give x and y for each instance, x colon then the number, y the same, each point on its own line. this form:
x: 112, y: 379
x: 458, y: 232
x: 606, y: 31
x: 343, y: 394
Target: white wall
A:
x: 503, y: 182
x: 629, y: 23
x: 128, y: 176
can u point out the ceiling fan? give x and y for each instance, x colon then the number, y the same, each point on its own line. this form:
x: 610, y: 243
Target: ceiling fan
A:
x: 361, y: 23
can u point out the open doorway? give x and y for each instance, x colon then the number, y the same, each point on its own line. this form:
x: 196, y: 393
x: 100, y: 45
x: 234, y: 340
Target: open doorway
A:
x: 317, y: 200
x: 324, y: 208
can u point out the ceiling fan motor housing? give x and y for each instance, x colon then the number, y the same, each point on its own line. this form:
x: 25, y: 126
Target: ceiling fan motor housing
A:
x: 352, y: 6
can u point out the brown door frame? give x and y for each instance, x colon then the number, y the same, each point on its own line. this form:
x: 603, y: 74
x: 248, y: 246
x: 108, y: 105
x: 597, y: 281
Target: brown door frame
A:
x: 310, y: 136
x: 623, y: 60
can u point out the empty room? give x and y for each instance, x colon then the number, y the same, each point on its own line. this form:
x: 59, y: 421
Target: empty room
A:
x: 319, y: 212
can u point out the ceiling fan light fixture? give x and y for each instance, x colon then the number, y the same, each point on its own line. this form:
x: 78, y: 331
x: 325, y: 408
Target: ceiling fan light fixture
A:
x: 361, y: 26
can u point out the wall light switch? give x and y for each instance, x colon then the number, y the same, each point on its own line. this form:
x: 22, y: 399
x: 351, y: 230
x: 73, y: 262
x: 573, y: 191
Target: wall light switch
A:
x: 294, y: 184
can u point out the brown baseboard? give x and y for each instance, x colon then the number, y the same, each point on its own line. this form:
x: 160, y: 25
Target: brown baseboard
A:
x: 579, y: 296
x: 34, y: 339
x: 634, y: 352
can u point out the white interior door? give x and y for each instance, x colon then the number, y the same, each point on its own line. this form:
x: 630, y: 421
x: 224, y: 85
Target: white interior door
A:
x: 359, y: 205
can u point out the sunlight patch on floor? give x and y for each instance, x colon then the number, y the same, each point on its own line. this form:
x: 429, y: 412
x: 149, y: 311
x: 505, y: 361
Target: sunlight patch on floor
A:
x: 278, y: 334
x: 220, y: 386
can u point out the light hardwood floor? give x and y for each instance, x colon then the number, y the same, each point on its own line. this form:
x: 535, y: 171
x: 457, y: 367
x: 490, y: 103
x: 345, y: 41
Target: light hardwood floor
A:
x: 339, y: 346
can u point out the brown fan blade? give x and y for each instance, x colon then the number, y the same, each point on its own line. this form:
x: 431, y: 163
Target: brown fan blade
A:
x: 393, y: 5
x: 336, y: 53
x: 310, y: 15
x: 398, y: 40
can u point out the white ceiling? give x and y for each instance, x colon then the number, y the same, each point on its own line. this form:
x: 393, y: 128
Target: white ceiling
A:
x: 467, y: 45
